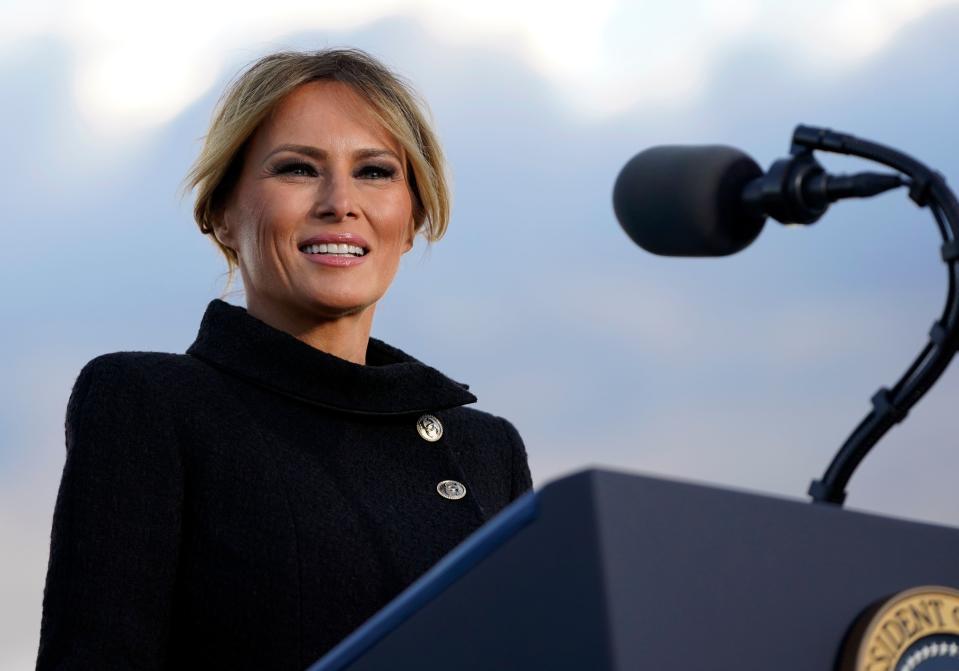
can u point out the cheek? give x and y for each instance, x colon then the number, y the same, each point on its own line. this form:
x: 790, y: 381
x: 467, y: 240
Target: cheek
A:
x: 267, y: 225
x: 250, y: 234
x: 396, y: 221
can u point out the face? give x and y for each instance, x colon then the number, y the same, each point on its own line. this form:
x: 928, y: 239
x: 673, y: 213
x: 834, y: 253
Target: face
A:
x: 322, y: 210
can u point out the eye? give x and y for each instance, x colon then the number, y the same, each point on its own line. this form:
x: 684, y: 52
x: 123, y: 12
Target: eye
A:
x: 376, y: 172
x: 294, y: 169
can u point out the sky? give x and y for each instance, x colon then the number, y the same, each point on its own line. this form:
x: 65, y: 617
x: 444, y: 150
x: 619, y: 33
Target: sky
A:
x: 747, y: 371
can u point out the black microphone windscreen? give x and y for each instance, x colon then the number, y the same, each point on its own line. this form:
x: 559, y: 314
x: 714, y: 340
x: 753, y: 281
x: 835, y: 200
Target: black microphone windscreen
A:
x: 686, y: 200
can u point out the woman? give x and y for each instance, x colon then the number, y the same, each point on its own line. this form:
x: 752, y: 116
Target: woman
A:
x: 251, y: 502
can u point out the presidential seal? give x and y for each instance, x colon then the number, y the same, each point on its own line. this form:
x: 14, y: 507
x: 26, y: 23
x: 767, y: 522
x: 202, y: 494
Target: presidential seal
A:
x: 915, y: 630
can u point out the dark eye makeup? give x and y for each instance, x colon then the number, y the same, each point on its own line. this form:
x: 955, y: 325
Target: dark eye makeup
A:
x: 303, y: 169
x: 294, y: 169
x: 376, y: 172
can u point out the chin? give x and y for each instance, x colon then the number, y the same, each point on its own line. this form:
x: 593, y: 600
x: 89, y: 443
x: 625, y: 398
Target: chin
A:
x: 329, y: 307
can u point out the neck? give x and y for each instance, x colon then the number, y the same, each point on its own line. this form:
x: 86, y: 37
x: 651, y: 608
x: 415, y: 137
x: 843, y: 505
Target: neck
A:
x: 345, y: 336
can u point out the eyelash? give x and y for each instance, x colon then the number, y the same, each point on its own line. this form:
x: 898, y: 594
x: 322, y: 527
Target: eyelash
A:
x: 384, y: 171
x: 292, y: 167
x: 373, y: 172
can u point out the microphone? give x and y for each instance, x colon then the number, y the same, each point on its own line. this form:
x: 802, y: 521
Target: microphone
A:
x: 713, y: 200
x: 686, y: 200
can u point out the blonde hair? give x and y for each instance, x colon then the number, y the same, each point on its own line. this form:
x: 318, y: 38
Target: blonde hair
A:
x: 256, y: 92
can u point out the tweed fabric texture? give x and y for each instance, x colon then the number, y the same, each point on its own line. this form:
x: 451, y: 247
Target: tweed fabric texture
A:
x: 249, y: 503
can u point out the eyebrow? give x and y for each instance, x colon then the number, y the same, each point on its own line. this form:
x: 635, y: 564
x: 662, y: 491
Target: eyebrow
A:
x: 320, y: 154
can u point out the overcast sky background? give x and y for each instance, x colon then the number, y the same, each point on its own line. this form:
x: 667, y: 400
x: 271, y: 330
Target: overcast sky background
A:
x: 747, y: 371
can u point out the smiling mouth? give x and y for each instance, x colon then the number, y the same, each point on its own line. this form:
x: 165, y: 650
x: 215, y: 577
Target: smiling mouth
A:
x: 334, y: 249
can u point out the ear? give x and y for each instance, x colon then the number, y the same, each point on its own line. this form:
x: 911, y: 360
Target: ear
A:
x: 222, y: 230
x: 411, y: 233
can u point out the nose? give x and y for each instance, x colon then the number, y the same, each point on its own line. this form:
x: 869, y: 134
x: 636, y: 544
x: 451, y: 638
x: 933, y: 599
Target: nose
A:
x: 335, y: 199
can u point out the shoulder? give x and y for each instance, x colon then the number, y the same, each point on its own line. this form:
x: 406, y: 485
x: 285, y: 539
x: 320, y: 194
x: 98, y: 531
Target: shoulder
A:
x: 139, y: 369
x: 118, y: 381
x: 121, y: 416
x: 138, y: 363
x: 482, y: 424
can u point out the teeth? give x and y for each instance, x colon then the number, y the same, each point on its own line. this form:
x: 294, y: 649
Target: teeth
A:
x: 341, y: 249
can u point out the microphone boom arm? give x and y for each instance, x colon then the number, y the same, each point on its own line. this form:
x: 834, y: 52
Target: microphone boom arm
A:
x: 890, y: 406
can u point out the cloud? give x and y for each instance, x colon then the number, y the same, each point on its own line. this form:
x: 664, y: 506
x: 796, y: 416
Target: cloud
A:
x: 137, y: 70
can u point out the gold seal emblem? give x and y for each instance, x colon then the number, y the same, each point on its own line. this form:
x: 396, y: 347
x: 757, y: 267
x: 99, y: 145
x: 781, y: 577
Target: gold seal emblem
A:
x: 911, y: 631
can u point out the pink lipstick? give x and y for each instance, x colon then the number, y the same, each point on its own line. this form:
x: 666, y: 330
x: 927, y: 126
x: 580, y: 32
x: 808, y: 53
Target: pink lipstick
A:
x: 335, y: 249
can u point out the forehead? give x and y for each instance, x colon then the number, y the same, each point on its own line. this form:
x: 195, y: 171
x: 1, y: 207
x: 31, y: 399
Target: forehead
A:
x: 329, y: 115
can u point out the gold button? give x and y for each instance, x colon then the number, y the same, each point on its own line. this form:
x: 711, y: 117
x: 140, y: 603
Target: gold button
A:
x: 429, y: 428
x: 451, y: 489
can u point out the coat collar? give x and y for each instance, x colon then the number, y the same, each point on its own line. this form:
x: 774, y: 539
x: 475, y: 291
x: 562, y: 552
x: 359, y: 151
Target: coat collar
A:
x: 391, y: 383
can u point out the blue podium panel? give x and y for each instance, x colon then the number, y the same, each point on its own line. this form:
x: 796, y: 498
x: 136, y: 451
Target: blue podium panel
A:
x: 603, y: 570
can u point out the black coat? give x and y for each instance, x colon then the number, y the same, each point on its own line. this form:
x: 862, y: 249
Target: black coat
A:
x: 250, y: 503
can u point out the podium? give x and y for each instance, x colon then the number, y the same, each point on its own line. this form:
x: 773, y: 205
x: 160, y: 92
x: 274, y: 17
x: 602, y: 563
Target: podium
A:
x: 605, y: 570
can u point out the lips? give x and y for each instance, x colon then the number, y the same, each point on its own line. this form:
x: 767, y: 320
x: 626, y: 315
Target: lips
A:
x: 336, y: 250
x: 328, y: 240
